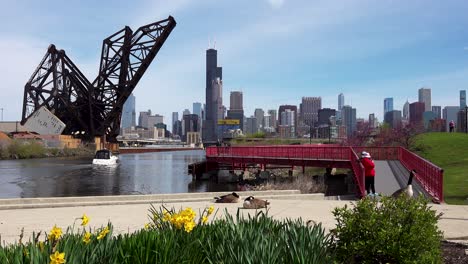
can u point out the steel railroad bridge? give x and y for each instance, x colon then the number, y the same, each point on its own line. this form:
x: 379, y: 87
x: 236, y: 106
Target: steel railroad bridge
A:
x: 392, y: 164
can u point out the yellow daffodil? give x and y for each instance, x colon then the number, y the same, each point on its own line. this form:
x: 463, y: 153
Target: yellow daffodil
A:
x: 85, y: 220
x: 166, y: 216
x: 147, y: 226
x: 204, y: 219
x: 55, y: 233
x: 189, y: 226
x: 41, y: 245
x: 57, y: 258
x: 87, y: 238
x: 25, y: 253
x: 210, y: 210
x: 103, y: 233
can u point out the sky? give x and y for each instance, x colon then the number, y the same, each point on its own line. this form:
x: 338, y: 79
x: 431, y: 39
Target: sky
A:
x: 274, y: 51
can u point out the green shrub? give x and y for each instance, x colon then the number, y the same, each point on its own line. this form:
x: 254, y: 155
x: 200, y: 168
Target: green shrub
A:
x: 390, y: 231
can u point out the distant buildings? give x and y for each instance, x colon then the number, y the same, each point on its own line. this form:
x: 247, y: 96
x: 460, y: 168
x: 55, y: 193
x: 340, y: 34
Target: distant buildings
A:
x: 143, y: 118
x: 273, y: 117
x: 283, y: 108
x: 309, y: 110
x: 416, y: 113
x: 348, y: 115
x: 251, y: 125
x: 424, y: 96
x: 324, y: 116
x: 393, y: 118
x: 128, y: 113
x: 236, y: 101
x: 259, y: 114
x: 462, y: 98
x: 341, y: 102
x: 437, y: 110
x: 405, y: 112
x: 450, y: 113
x: 388, y: 105
x: 214, y: 105
x: 191, y: 124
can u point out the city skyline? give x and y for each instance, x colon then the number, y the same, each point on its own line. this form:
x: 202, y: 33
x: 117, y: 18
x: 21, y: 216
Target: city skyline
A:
x: 336, y: 52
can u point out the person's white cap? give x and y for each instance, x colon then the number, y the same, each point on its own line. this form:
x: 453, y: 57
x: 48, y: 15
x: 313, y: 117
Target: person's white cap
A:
x: 365, y: 154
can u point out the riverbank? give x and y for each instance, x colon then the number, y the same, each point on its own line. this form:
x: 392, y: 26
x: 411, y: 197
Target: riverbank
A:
x: 20, y: 149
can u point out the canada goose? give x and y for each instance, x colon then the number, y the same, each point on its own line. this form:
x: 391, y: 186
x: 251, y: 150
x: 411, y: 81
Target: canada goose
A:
x: 408, y: 190
x: 255, y: 203
x: 228, y: 198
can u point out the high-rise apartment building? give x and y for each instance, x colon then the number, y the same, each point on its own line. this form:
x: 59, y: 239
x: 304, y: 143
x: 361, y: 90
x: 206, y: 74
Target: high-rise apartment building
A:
x: 324, y: 116
x: 259, y: 114
x: 175, y: 118
x: 388, y: 105
x: 416, y: 113
x: 437, y: 111
x: 155, y: 119
x: 372, y: 121
x: 214, y: 105
x: 273, y: 118
x: 283, y: 108
x: 340, y: 101
x: 309, y: 109
x: 197, y: 109
x: 143, y: 118
x: 348, y: 114
x: 236, y: 101
x: 406, y: 111
x: 462, y: 98
x: 190, y: 124
x: 128, y: 113
x: 185, y: 112
x: 393, y: 118
x: 424, y: 96
x: 251, y: 125
x: 287, y: 118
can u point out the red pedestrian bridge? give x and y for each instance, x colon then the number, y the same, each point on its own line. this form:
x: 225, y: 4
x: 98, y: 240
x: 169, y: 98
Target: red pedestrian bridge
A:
x: 392, y: 164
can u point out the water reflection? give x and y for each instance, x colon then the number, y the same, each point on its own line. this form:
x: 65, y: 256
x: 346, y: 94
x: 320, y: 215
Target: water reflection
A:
x: 159, y: 172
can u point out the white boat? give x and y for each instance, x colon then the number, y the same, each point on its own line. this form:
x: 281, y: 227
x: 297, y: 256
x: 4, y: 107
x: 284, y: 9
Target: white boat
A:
x: 105, y: 157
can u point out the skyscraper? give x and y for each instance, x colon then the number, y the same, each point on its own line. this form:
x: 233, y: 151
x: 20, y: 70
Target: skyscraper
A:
x: 437, y: 111
x: 340, y: 101
x: 128, y: 113
x: 283, y: 108
x: 406, y: 110
x: 236, y: 101
x: 424, y: 96
x: 309, y: 109
x: 388, y: 105
x: 272, y: 114
x: 372, y: 121
x: 197, y: 109
x: 324, y: 115
x: 348, y: 114
x: 462, y: 98
x: 214, y: 76
x: 143, y: 118
x: 287, y: 118
x: 175, y: 118
x: 416, y: 113
x: 259, y: 114
x: 393, y: 118
x: 185, y: 112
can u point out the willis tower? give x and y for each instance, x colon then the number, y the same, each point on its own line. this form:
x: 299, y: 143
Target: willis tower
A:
x: 214, y: 93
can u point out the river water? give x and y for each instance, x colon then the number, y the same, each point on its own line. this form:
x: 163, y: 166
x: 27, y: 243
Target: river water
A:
x: 145, y: 173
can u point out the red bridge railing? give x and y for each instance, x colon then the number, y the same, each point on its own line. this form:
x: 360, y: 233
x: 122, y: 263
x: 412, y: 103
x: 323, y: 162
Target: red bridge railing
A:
x: 429, y: 175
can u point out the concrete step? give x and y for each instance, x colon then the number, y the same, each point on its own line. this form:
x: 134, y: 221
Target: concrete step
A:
x: 132, y: 199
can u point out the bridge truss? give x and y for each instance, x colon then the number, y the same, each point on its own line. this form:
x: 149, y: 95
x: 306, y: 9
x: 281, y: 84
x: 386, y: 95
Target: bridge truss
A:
x: 94, y: 108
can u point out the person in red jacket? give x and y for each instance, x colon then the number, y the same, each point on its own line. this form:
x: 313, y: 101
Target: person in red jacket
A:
x: 369, y: 168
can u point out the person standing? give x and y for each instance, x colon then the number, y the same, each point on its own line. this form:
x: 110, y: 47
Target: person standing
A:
x: 369, y: 168
x: 451, y: 126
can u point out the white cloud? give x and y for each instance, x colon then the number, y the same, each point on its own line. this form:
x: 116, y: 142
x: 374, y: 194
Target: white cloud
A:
x: 276, y: 3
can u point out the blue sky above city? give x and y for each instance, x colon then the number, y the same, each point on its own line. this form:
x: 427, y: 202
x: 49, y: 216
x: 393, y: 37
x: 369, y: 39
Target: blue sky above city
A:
x: 274, y: 51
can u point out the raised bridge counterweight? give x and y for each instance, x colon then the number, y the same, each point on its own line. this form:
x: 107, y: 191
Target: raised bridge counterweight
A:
x: 94, y: 108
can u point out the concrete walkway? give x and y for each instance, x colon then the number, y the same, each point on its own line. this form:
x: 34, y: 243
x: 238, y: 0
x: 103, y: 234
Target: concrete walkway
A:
x: 385, y: 181
x: 132, y: 217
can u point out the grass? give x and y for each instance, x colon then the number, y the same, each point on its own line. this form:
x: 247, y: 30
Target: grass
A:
x: 450, y: 152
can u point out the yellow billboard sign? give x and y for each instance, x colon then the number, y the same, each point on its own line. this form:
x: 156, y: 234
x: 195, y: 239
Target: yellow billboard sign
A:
x: 229, y: 122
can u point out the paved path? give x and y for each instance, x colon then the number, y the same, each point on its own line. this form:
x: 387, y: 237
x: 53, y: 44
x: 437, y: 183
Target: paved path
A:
x: 385, y: 181
x: 131, y: 217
